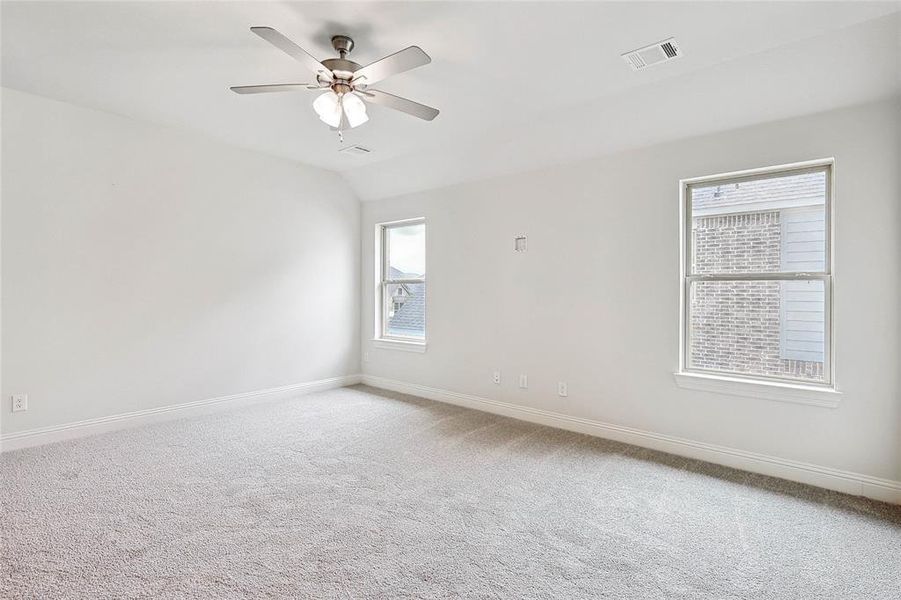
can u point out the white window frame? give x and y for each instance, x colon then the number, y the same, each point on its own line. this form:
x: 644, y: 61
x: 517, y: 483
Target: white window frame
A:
x: 772, y: 387
x: 382, y: 338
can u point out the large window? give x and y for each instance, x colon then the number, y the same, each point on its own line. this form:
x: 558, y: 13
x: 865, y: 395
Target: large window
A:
x: 757, y: 279
x: 402, y: 281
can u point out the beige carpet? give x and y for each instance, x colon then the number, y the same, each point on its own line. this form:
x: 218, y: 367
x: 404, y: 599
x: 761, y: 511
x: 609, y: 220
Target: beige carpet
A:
x: 357, y: 493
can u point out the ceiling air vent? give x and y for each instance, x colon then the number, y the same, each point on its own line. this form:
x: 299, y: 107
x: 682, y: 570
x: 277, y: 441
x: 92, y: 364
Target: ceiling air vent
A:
x: 356, y: 151
x: 653, y: 54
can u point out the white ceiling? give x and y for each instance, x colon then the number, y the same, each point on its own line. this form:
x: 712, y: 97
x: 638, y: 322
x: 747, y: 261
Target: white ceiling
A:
x: 519, y: 85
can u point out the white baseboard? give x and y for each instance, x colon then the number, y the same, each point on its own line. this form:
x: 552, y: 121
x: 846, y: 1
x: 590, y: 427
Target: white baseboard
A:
x: 56, y: 433
x: 856, y: 484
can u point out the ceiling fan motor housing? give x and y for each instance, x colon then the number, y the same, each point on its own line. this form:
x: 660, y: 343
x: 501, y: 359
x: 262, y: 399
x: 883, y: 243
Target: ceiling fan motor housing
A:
x: 341, y: 67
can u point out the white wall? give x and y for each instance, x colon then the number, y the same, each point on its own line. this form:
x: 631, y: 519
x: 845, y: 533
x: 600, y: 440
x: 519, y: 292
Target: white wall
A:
x: 144, y: 267
x: 595, y: 300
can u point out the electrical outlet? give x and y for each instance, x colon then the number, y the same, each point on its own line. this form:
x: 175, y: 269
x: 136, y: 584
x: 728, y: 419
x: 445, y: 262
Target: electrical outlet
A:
x: 561, y: 388
x: 19, y: 402
x: 365, y: 357
x: 523, y: 381
x: 497, y: 377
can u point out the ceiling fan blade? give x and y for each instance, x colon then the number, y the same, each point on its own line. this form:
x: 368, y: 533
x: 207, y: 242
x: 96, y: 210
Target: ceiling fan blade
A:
x: 293, y: 50
x: 397, y: 103
x: 406, y: 59
x: 273, y: 87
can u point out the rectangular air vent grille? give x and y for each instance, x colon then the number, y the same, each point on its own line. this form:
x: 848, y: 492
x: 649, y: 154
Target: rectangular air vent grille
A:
x: 669, y: 49
x: 653, y: 54
x: 356, y: 150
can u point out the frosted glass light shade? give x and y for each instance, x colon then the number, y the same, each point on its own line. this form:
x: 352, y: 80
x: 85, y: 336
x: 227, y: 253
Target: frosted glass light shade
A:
x: 328, y: 107
x: 354, y: 109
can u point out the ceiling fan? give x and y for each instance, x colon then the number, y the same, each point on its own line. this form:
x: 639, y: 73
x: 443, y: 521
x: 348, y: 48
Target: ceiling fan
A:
x: 346, y: 83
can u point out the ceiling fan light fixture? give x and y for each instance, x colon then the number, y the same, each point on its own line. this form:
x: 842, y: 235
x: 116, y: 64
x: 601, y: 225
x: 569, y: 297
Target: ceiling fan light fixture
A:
x: 341, y: 107
x: 328, y: 107
x: 354, y: 109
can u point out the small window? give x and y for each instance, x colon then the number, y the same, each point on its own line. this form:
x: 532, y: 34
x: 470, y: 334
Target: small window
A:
x: 402, y: 281
x: 757, y: 278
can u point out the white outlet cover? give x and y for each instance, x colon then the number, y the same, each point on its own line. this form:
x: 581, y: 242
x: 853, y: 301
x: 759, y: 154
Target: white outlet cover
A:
x: 497, y: 377
x: 523, y: 381
x: 19, y: 402
x: 561, y: 389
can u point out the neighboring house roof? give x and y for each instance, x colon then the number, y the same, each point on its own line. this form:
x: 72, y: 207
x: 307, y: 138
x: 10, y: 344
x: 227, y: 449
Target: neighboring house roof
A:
x: 807, y: 189
x: 394, y: 273
x: 410, y: 316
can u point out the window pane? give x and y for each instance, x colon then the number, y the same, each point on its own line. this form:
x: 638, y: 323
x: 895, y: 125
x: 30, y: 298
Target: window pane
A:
x: 406, y: 251
x: 773, y: 328
x: 405, y: 310
x: 760, y: 226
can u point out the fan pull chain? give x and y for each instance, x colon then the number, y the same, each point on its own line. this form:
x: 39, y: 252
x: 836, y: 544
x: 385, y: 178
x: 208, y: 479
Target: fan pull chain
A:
x: 341, y: 122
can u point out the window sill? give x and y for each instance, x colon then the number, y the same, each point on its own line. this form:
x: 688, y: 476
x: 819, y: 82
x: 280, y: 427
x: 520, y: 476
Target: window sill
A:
x: 767, y: 390
x: 399, y: 345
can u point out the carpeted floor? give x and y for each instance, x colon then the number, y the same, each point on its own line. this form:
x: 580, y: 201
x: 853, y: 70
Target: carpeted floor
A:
x: 359, y: 493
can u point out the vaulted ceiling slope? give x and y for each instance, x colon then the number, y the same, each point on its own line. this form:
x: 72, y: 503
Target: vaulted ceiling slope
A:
x: 520, y: 85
